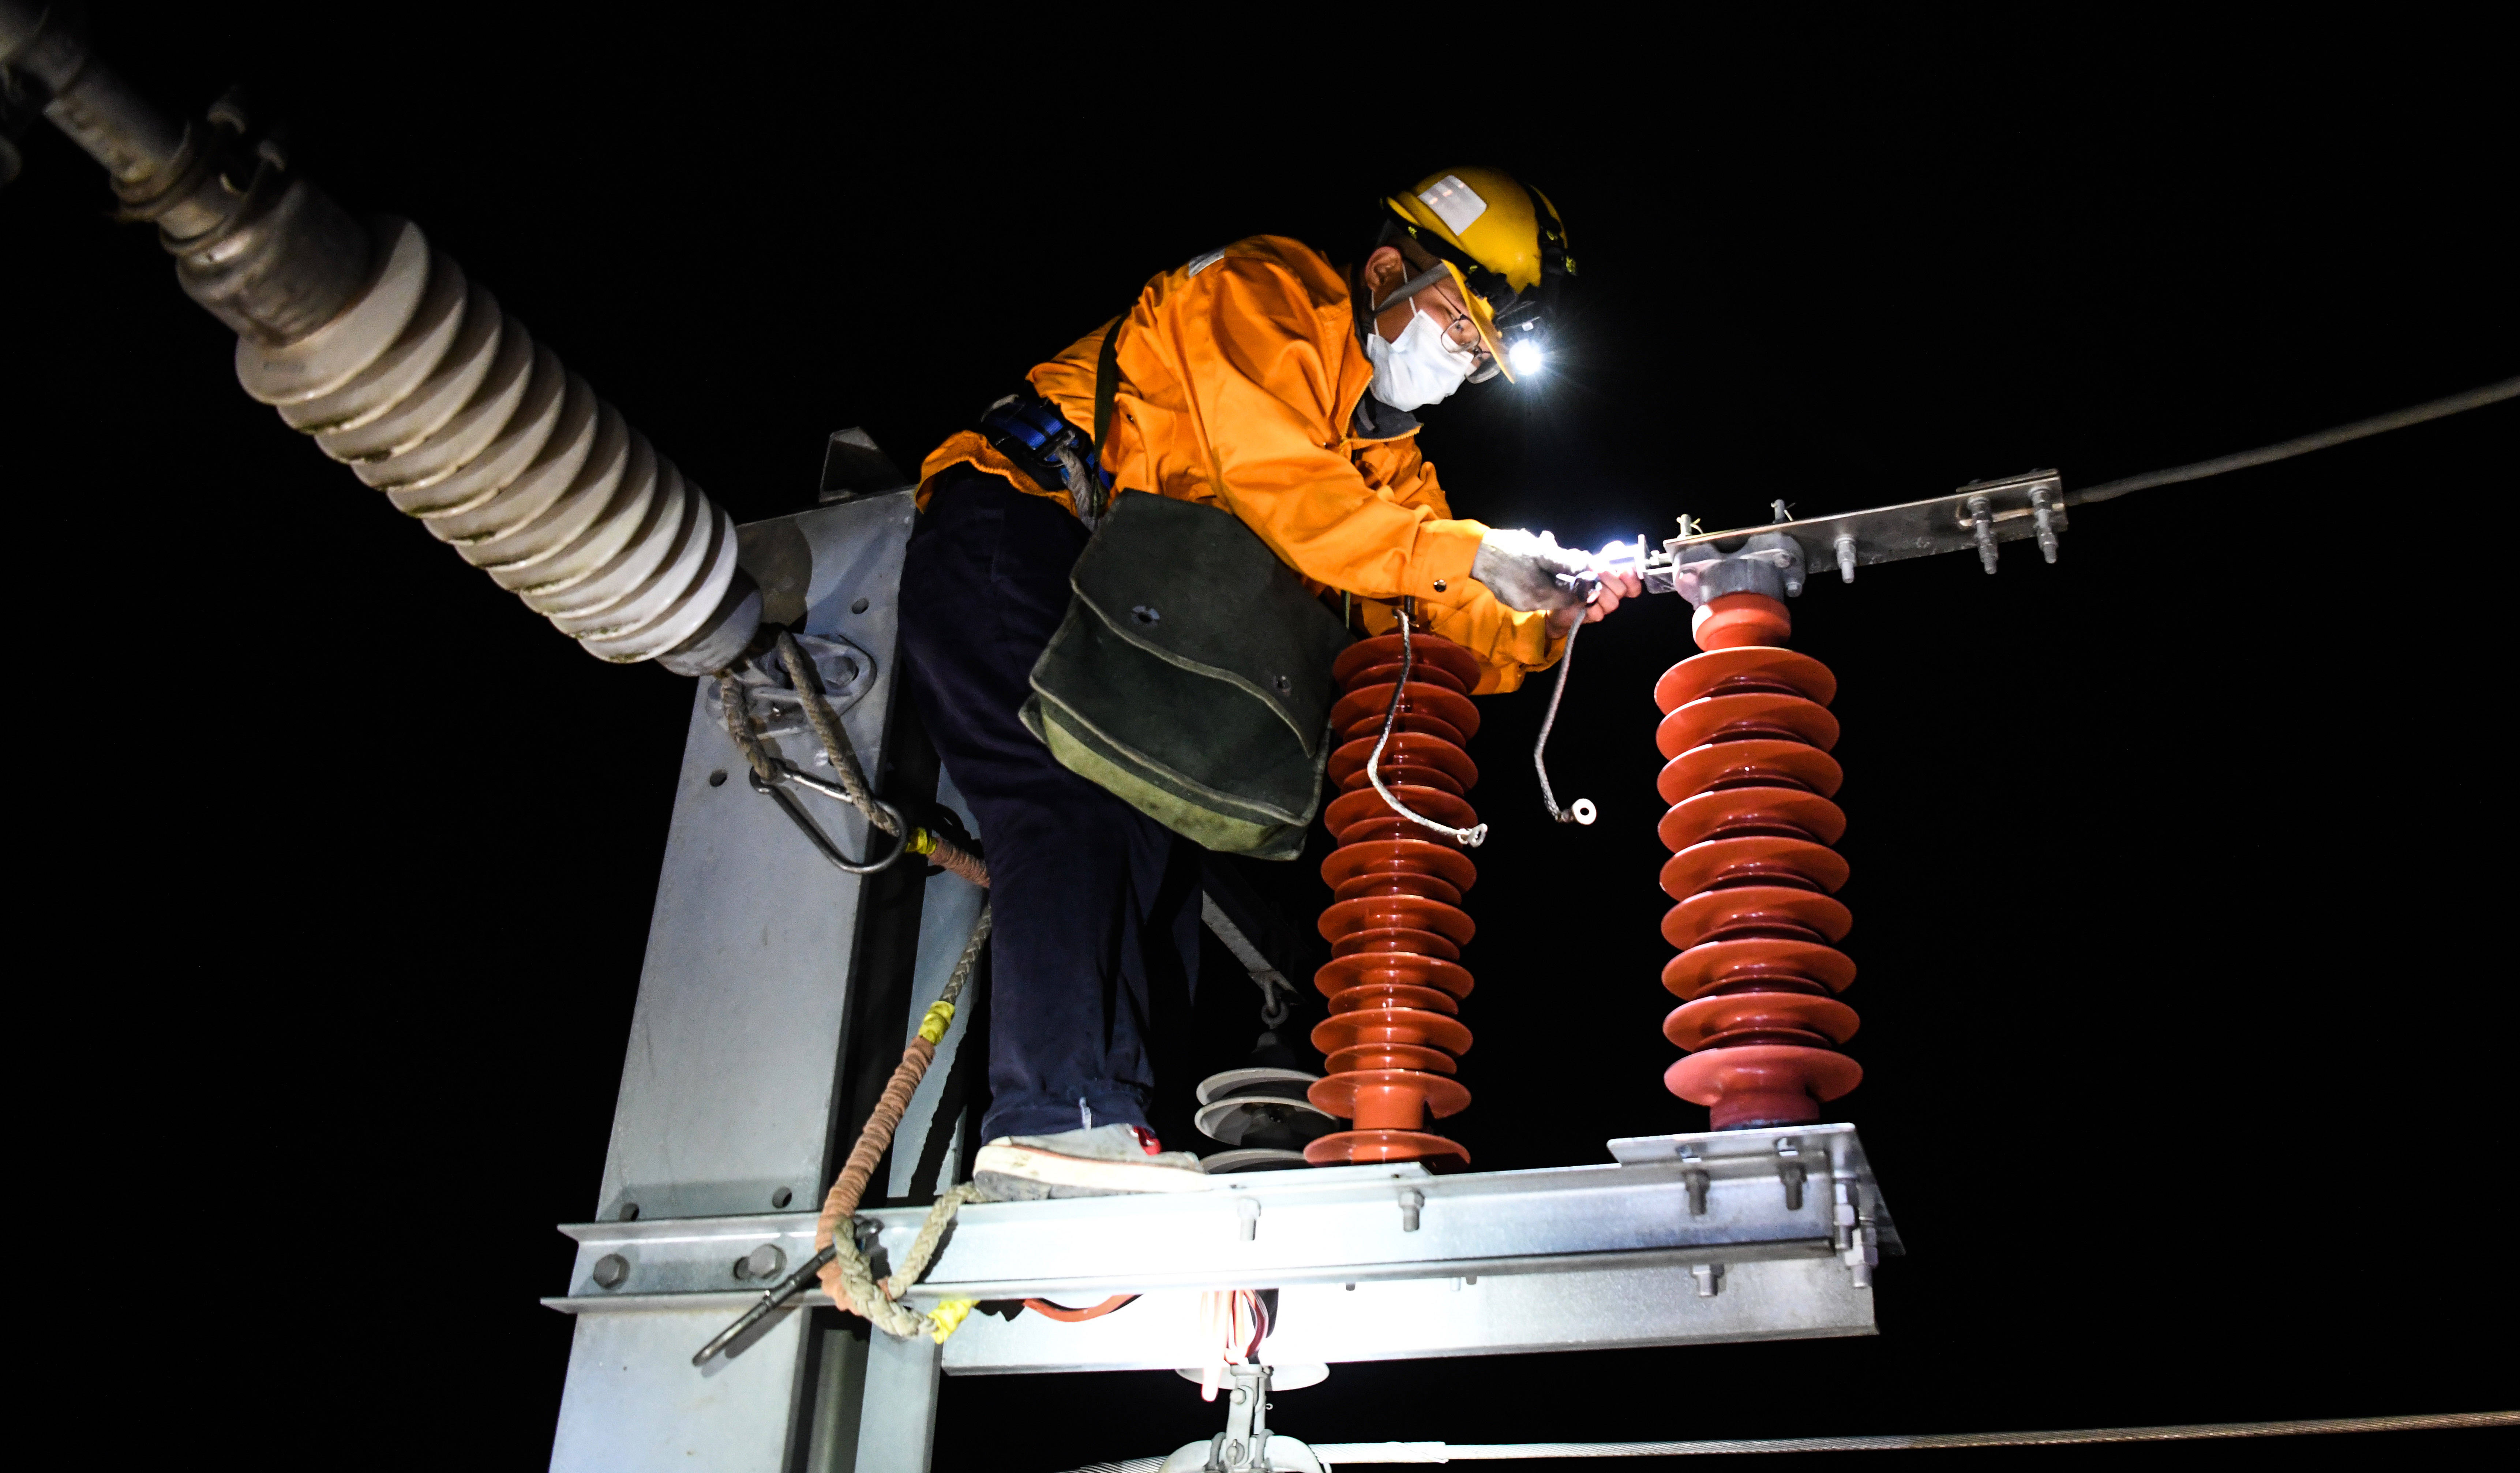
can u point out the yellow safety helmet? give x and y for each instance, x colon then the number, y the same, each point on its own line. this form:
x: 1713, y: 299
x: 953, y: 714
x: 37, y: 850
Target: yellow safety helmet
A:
x: 1504, y: 243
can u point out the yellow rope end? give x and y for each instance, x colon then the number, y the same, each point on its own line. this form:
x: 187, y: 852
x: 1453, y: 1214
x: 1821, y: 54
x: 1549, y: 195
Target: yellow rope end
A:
x: 948, y: 1317
x: 921, y: 842
x: 933, y: 1027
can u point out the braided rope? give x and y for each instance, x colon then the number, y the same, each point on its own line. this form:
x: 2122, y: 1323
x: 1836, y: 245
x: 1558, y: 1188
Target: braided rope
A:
x: 944, y: 852
x: 826, y: 730
x: 848, y: 1278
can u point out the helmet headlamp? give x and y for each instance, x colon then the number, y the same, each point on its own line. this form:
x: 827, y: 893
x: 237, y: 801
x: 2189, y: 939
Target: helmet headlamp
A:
x: 1513, y: 323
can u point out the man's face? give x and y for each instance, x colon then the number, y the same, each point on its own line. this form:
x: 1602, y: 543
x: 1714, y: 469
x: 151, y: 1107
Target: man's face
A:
x: 1440, y: 302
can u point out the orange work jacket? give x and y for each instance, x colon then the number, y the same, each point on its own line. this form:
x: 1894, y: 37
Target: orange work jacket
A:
x: 1240, y: 377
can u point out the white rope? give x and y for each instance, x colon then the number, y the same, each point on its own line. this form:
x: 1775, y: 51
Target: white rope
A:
x: 1469, y: 838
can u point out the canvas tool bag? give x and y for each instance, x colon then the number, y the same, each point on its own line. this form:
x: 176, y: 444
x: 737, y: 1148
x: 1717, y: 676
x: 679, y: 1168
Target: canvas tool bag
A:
x: 1192, y: 677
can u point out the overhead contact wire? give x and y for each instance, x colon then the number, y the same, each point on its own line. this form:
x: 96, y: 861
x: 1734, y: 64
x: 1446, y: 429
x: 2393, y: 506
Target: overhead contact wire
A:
x: 2378, y: 423
x: 1342, y: 1453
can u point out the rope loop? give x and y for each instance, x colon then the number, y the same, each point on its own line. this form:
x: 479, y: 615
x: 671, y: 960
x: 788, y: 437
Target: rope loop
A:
x: 1469, y: 838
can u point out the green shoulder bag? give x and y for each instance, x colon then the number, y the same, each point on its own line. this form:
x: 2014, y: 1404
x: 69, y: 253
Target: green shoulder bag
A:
x: 1192, y: 677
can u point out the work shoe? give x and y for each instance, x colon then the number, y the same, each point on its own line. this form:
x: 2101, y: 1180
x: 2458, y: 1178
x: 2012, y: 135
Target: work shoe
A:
x: 1108, y: 1161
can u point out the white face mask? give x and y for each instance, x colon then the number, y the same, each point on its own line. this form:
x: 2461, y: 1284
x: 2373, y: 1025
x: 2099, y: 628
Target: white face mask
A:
x: 1421, y: 368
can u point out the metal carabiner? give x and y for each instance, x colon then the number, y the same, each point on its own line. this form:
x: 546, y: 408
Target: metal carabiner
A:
x: 778, y: 792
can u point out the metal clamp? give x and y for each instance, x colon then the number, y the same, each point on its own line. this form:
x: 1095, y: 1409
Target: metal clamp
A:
x: 804, y: 822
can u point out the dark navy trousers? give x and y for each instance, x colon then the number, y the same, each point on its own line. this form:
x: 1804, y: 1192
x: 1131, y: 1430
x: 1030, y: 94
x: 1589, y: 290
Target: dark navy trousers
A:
x: 1096, y: 904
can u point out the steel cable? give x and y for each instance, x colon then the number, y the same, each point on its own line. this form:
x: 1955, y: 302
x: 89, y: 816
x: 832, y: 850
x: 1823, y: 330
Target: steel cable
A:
x: 2378, y: 423
x: 1581, y: 810
x: 1333, y: 1453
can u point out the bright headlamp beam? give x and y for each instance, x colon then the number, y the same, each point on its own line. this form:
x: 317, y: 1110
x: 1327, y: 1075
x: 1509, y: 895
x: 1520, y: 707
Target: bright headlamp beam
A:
x: 1525, y: 358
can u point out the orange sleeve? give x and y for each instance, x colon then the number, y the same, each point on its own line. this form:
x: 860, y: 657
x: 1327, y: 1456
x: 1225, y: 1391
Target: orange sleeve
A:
x: 1259, y: 373
x: 1509, y: 644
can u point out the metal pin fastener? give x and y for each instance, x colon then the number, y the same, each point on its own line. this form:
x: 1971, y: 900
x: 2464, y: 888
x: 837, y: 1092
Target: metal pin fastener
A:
x: 1248, y: 1210
x: 771, y: 1298
x: 1710, y: 1278
x: 1982, y: 527
x: 1698, y: 1183
x: 1846, y: 557
x: 1409, y: 1203
x: 2047, y: 516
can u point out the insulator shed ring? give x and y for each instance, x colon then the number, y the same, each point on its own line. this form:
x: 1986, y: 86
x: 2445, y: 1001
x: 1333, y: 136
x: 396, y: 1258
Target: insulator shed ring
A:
x: 1747, y: 732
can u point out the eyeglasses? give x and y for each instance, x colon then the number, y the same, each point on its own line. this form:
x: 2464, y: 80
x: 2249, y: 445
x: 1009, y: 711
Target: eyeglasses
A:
x: 1460, y: 332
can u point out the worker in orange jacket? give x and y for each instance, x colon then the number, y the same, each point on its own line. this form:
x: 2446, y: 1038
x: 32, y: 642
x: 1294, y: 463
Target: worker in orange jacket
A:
x: 1263, y: 380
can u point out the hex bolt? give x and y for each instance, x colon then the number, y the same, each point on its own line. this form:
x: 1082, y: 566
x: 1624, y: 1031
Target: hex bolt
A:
x: 1698, y: 1183
x: 765, y: 1261
x: 1792, y: 1175
x: 1863, y: 1249
x: 1248, y: 1210
x: 1846, y: 557
x: 1982, y: 527
x: 1710, y: 1278
x: 2047, y: 516
x: 1410, y: 1202
x: 610, y: 1270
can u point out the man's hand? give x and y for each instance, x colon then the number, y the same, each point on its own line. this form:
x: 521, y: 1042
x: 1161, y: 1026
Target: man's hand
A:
x: 1522, y: 570
x: 1613, y: 587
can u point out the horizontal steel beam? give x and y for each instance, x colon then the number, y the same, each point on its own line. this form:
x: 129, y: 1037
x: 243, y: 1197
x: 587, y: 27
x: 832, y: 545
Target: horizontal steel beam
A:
x: 1738, y: 1195
x: 1427, y: 1318
x: 1787, y: 1221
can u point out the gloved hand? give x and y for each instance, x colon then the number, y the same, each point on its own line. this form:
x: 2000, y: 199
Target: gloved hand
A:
x: 1521, y: 569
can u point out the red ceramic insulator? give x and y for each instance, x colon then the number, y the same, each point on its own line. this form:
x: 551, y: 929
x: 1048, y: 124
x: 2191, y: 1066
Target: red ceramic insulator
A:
x: 1395, y: 922
x: 1747, y: 732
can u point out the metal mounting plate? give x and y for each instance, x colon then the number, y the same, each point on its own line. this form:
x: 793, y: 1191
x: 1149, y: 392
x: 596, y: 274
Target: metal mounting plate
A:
x: 1917, y: 529
x: 1884, y: 533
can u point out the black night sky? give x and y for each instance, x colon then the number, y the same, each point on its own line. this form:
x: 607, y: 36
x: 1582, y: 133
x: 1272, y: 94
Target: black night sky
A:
x: 2186, y: 1022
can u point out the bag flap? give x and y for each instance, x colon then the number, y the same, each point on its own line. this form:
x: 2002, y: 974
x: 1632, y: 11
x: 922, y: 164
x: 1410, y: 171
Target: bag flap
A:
x: 1192, y: 585
x: 1210, y: 744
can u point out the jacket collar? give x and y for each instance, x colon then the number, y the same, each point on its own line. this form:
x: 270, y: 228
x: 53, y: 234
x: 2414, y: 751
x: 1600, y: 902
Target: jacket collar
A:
x: 1372, y: 419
